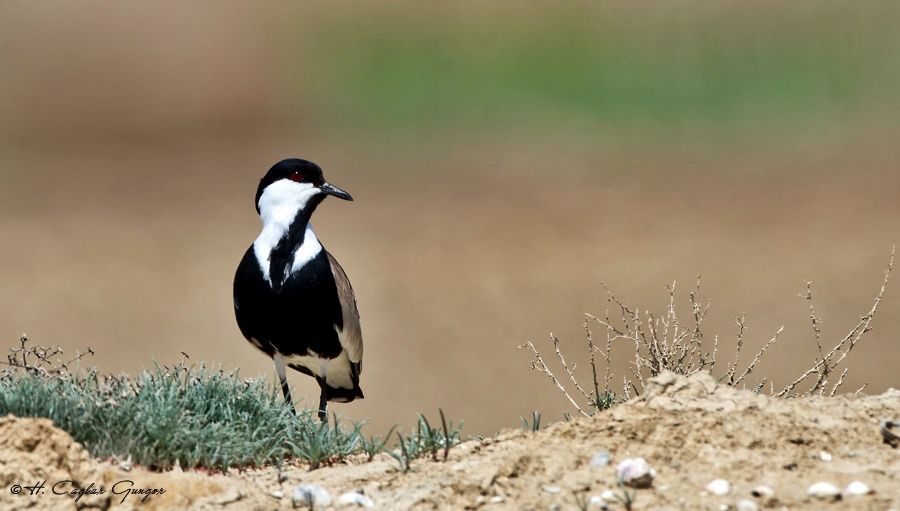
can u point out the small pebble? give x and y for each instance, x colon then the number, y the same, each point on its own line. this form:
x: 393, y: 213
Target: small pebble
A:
x: 230, y: 497
x: 353, y: 498
x: 310, y: 495
x: 890, y: 431
x: 125, y: 465
x: 747, y: 505
x: 724, y: 507
x: 636, y: 473
x: 824, y: 490
x: 824, y: 456
x: 609, y: 496
x: 763, y: 491
x: 277, y: 494
x: 497, y: 499
x: 857, y: 488
x: 719, y: 487
x: 551, y: 489
x: 600, y: 460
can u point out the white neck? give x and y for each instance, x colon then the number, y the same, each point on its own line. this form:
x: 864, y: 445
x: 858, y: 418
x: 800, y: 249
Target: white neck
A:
x: 279, y: 205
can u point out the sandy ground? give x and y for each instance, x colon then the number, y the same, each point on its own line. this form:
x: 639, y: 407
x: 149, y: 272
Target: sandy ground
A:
x: 690, y: 430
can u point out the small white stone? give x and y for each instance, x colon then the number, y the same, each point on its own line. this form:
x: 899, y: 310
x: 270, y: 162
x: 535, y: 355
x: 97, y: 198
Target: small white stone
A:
x: 636, y: 473
x: 747, y: 505
x: 824, y: 490
x: 353, y: 498
x: 549, y: 488
x: 600, y: 460
x: 724, y: 507
x: 229, y: 497
x: 719, y: 487
x: 277, y: 494
x: 824, y: 456
x: 763, y: 491
x: 497, y: 499
x: 310, y: 495
x: 609, y: 497
x: 857, y: 488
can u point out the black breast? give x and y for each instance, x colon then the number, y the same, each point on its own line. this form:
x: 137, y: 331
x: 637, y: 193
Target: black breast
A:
x: 297, y: 317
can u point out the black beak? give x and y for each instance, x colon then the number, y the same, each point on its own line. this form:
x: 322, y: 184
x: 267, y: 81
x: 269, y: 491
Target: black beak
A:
x: 334, y: 190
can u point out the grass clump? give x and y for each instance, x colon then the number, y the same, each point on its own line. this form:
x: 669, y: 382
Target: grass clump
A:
x: 426, y: 440
x: 534, y: 425
x: 181, y: 415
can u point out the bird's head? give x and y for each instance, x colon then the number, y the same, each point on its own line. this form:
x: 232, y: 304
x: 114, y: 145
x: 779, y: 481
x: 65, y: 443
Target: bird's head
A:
x: 294, y: 185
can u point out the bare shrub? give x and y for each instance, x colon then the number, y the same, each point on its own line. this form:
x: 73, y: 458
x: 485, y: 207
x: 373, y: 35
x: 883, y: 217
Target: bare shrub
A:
x: 39, y: 360
x: 664, y: 342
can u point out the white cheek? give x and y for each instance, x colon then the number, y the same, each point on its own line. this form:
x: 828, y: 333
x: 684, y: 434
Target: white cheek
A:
x: 281, y: 200
x: 278, y: 206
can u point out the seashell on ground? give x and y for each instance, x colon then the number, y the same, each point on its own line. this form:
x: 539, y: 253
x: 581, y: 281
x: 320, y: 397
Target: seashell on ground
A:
x: 636, y: 473
x: 857, y: 488
x: 310, y: 495
x: 719, y: 487
x: 353, y: 498
x: 824, y: 490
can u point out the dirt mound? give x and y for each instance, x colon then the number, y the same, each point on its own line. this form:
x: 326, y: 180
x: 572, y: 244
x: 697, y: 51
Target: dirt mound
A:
x: 690, y: 430
x: 34, y: 453
x: 43, y: 468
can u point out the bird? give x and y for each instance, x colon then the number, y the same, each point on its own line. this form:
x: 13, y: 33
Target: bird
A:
x: 292, y: 300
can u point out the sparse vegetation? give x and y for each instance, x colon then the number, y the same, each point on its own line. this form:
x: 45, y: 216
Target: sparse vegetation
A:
x: 186, y: 416
x: 535, y: 424
x: 375, y: 444
x: 662, y: 342
x: 427, y: 440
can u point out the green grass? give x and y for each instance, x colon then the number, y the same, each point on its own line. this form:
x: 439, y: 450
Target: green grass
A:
x: 412, y: 67
x: 184, y: 416
x: 187, y: 416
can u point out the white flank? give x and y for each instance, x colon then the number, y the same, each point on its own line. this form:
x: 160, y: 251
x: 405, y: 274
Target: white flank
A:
x: 336, y: 371
x: 278, y: 206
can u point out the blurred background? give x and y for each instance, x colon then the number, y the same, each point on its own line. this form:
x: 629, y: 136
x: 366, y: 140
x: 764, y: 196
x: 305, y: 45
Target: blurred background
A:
x: 506, y: 159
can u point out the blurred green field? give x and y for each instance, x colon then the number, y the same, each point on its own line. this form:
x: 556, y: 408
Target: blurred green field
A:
x: 641, y: 71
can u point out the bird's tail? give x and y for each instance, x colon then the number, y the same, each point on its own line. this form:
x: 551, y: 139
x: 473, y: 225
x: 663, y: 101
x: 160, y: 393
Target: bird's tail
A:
x: 341, y: 395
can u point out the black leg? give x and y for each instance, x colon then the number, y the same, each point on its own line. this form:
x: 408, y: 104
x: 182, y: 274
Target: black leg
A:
x: 282, y: 378
x: 323, y: 404
x: 287, y: 393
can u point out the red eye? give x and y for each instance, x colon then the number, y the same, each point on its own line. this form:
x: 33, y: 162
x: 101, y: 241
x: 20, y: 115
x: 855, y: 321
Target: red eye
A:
x: 296, y: 176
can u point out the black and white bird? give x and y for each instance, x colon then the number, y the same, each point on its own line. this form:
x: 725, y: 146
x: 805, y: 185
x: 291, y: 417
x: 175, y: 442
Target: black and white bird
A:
x: 292, y: 299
